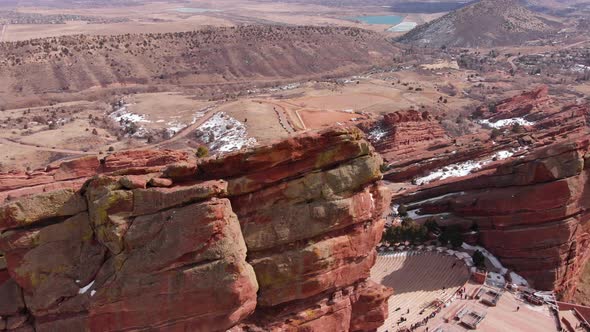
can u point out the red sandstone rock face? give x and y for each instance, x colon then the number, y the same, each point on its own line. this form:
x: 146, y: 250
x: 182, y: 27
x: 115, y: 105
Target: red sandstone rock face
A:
x: 522, y: 105
x: 532, y: 209
x: 532, y: 213
x: 271, y: 239
x: 405, y: 133
x: 72, y: 174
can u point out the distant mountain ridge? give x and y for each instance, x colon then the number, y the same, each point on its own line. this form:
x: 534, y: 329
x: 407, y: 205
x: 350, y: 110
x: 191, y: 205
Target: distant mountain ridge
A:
x: 203, y: 59
x: 487, y: 23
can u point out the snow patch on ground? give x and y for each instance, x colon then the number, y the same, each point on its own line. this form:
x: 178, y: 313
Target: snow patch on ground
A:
x: 376, y: 134
x: 394, y: 209
x: 175, y: 126
x: 84, y: 289
x: 199, y: 115
x: 462, y: 169
x: 130, y: 120
x: 518, y: 280
x: 222, y: 133
x: 436, y: 199
x: 580, y: 68
x: 122, y: 114
x: 506, y: 122
x: 491, y: 258
x: 285, y: 87
x: 414, y: 215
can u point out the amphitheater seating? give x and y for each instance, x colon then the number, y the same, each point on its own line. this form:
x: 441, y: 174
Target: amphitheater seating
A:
x: 419, y: 279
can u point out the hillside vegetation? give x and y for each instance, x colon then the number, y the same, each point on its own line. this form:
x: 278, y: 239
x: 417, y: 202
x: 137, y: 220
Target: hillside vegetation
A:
x: 205, y: 57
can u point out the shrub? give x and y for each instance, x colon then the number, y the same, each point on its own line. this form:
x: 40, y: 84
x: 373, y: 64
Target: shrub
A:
x: 402, y: 210
x: 452, y: 235
x: 431, y: 225
x: 517, y: 128
x: 202, y: 151
x: 407, y: 231
x: 478, y: 259
x: 477, y: 114
x: 495, y: 133
x: 492, y: 108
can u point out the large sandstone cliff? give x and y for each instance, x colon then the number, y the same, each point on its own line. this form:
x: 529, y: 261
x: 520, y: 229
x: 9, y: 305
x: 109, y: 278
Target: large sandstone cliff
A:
x: 274, y: 238
x: 525, y: 194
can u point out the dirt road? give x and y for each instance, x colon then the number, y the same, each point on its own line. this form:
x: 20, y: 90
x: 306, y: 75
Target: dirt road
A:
x: 3, y: 31
x: 184, y: 132
x: 4, y: 141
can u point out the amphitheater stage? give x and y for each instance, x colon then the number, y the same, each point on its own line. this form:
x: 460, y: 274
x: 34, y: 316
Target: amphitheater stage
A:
x: 421, y: 282
x: 427, y: 284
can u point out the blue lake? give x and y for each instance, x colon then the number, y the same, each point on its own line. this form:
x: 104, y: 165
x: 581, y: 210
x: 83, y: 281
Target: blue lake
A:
x: 385, y: 19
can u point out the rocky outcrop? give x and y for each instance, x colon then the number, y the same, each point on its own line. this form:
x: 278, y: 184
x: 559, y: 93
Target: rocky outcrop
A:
x: 274, y: 238
x: 407, y: 132
x: 405, y: 138
x: 526, y: 192
x: 532, y: 103
x: 532, y: 212
x: 73, y: 173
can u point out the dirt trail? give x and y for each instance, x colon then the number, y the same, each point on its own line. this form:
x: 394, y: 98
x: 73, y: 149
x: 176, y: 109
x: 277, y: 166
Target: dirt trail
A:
x: 2, y: 32
x: 511, y: 62
x: 44, y: 148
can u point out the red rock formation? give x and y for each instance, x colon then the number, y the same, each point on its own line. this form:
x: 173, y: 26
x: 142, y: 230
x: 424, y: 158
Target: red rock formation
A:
x: 274, y: 238
x: 532, y: 209
x: 406, y: 132
x: 73, y: 173
x: 522, y: 105
x: 532, y: 212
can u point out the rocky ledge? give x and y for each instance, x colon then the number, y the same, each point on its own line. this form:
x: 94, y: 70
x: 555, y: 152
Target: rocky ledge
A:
x: 274, y: 238
x: 520, y: 189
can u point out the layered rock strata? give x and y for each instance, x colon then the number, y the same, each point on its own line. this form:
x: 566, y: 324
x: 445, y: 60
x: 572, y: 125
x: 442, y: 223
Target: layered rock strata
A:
x: 525, y: 193
x: 273, y: 238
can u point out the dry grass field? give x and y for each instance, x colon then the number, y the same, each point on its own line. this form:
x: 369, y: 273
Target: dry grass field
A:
x: 246, y: 72
x: 162, y: 17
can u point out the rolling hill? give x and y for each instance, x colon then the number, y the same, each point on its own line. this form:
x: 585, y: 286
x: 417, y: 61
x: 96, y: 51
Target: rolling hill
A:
x: 487, y: 23
x: 209, y: 57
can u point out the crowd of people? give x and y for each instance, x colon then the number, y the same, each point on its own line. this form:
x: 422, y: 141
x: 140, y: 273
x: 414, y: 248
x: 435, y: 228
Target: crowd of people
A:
x: 439, y: 306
